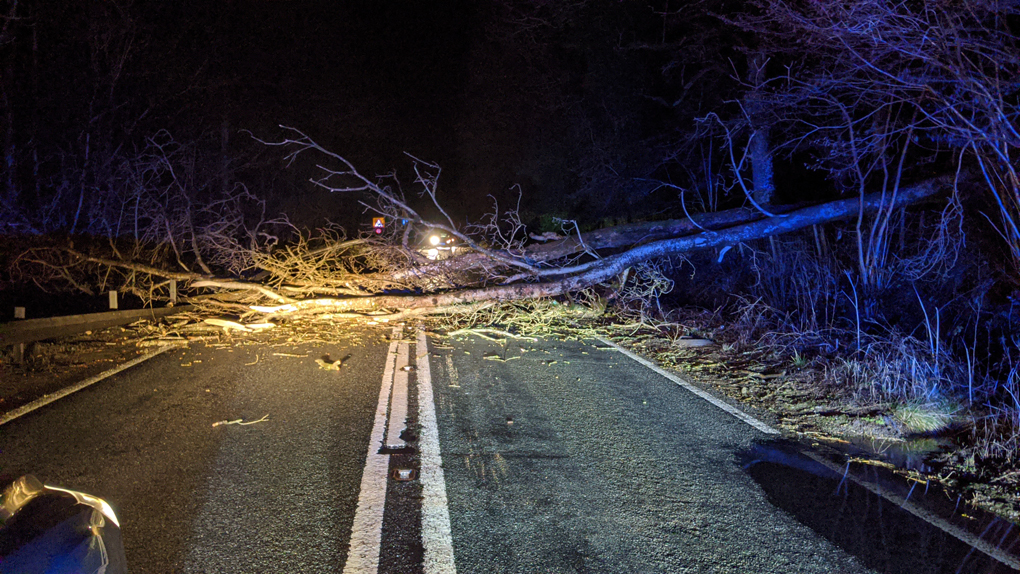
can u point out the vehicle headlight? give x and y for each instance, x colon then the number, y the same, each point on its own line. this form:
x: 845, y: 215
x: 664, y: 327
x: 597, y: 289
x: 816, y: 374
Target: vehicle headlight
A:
x: 434, y: 240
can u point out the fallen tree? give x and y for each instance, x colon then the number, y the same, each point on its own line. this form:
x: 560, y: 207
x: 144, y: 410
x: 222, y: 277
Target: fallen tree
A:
x: 561, y: 280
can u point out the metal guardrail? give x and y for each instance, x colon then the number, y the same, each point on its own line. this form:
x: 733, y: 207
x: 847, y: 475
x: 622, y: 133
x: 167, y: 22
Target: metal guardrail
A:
x: 31, y: 330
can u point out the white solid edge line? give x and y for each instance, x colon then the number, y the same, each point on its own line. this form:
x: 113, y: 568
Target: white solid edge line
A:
x: 47, y: 399
x: 398, y: 404
x: 436, y: 535
x: 366, y: 530
x: 707, y: 396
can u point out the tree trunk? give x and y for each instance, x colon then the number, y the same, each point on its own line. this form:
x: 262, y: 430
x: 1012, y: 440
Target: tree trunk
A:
x: 759, y: 146
x: 9, y: 149
x: 617, y: 237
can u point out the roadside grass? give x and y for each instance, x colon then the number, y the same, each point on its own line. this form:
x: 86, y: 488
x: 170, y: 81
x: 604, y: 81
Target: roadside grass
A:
x: 894, y: 368
x: 924, y: 417
x: 1000, y: 426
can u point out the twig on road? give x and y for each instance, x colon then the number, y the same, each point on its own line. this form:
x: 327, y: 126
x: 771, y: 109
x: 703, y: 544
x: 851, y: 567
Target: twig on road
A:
x: 240, y: 422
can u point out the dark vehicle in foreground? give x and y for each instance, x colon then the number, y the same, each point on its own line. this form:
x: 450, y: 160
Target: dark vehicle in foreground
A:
x: 51, y: 530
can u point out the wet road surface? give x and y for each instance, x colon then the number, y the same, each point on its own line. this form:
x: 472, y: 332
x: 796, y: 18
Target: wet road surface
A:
x: 276, y: 496
x: 569, y: 457
x: 556, y: 457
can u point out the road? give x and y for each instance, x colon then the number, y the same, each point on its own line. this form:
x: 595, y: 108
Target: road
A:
x: 570, y: 457
x: 556, y: 456
x: 267, y: 497
x: 566, y: 458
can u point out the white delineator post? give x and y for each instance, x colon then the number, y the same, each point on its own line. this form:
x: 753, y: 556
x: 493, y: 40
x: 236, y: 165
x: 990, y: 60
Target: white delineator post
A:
x: 19, y: 353
x: 19, y: 349
x: 113, y: 299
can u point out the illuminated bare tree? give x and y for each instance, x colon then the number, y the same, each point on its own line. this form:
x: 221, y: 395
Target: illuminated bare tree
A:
x: 878, y: 90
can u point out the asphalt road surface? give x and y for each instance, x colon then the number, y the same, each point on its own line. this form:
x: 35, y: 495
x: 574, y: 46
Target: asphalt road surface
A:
x: 570, y: 457
x: 574, y: 458
x: 276, y: 496
x: 556, y: 456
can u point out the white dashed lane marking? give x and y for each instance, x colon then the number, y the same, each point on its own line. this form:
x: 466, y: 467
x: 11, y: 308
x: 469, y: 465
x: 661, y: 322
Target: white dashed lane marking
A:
x: 398, y: 404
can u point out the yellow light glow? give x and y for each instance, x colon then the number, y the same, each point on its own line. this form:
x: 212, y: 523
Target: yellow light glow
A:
x: 434, y: 240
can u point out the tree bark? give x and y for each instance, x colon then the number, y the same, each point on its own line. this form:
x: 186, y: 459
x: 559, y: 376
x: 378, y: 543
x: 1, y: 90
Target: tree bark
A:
x: 759, y: 146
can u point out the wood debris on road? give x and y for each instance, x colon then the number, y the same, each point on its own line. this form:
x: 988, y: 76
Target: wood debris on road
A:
x: 240, y: 422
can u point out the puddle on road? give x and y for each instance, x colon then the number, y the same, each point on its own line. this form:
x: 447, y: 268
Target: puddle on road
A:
x: 890, y: 524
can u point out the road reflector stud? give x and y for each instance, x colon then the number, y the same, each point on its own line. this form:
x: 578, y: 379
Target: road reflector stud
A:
x: 404, y: 474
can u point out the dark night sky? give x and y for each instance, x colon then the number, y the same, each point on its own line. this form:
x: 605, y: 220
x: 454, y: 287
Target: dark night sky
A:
x: 390, y: 74
x: 449, y: 82
x: 461, y: 83
x: 583, y: 104
x: 367, y: 82
x: 373, y: 82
